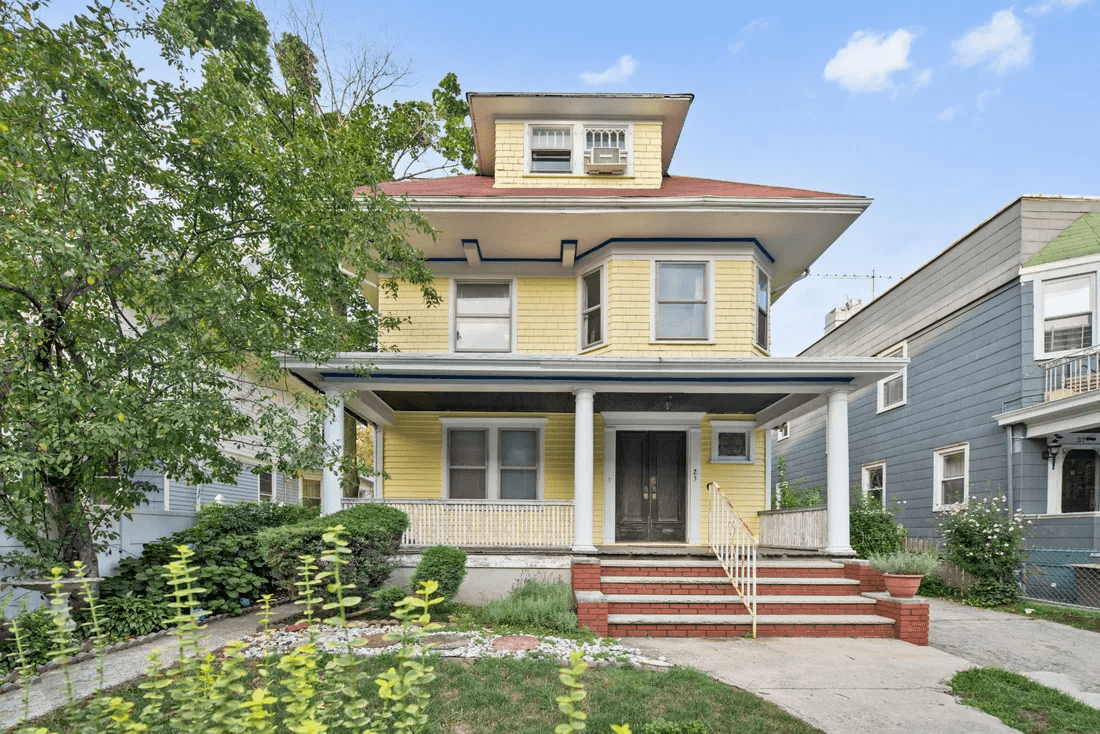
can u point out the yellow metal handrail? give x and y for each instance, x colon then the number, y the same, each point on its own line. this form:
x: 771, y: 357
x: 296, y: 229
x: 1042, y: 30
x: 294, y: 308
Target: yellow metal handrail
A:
x: 735, y: 547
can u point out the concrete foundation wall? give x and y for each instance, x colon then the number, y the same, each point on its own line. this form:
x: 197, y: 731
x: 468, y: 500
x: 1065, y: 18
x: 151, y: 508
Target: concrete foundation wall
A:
x: 490, y: 577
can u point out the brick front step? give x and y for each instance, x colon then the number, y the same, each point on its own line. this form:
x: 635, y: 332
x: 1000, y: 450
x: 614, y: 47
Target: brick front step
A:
x: 771, y: 625
x: 713, y: 569
x: 732, y: 604
x: 722, y: 586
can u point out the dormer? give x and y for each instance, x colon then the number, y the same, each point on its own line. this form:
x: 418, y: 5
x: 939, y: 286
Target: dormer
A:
x: 576, y: 140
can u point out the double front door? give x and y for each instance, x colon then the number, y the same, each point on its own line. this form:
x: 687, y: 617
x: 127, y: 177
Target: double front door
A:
x: 651, y: 486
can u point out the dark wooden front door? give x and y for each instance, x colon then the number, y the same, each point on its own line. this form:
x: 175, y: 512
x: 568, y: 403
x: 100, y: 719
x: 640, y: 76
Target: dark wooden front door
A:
x: 651, y: 489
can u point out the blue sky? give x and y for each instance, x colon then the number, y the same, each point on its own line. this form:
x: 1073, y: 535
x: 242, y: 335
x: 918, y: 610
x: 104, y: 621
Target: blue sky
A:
x: 942, y: 112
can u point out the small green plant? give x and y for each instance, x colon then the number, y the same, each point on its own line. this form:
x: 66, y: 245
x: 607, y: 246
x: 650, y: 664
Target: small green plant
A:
x: 533, y: 604
x: 660, y: 726
x: 569, y: 703
x: 985, y: 539
x: 873, y: 528
x: 35, y: 629
x: 124, y: 616
x: 793, y: 493
x: 388, y: 597
x: 933, y: 585
x: 445, y: 564
x: 905, y: 562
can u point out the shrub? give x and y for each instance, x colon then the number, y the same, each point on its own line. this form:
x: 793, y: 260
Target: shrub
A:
x: 125, y: 616
x: 373, y: 533
x: 905, y: 562
x: 533, y: 604
x: 987, y: 541
x: 249, y: 518
x: 795, y: 493
x: 872, y: 527
x: 387, y: 597
x: 36, y: 629
x: 444, y: 564
x: 933, y: 585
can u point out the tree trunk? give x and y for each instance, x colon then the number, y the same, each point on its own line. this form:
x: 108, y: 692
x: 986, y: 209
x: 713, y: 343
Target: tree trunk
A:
x: 69, y: 524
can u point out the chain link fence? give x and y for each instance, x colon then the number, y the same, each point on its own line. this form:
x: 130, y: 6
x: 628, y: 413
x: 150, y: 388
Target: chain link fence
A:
x: 1062, y: 576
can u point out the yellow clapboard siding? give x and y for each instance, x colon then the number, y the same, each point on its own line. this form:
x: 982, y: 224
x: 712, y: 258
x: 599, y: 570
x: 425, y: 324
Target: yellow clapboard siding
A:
x: 646, y: 171
x: 546, y: 315
x: 743, y: 484
x: 427, y: 329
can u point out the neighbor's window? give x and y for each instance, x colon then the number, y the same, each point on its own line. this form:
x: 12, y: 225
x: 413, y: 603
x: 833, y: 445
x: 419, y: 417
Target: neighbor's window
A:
x: 494, y: 459
x: 267, y: 487
x: 310, y: 491
x: 1079, y: 481
x: 551, y: 148
x: 1067, y: 314
x: 483, y: 317
x: 731, y: 442
x: 681, y: 301
x: 782, y: 431
x: 763, y: 306
x: 874, y: 481
x: 951, y: 469
x: 591, y: 309
x: 891, y: 391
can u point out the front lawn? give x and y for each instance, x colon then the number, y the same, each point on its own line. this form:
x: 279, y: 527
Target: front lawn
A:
x: 1086, y: 619
x: 1022, y: 703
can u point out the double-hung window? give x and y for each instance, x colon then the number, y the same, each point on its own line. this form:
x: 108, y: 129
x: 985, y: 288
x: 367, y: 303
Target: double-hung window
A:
x: 592, y: 309
x: 1068, y: 313
x: 874, y: 481
x: 763, y: 308
x: 490, y: 459
x: 483, y: 316
x: 681, y: 301
x: 267, y: 487
x: 551, y: 148
x: 891, y: 391
x: 952, y: 467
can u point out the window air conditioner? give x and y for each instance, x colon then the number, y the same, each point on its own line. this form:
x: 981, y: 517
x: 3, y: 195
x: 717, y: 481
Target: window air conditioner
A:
x: 605, y: 160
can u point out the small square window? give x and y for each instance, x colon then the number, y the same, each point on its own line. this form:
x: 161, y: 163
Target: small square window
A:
x: 782, y: 431
x: 731, y: 441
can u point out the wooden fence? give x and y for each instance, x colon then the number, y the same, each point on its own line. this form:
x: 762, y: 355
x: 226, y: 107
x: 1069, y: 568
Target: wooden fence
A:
x: 800, y: 528
x: 951, y: 574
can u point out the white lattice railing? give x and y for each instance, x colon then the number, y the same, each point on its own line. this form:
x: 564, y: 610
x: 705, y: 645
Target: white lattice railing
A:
x: 1073, y: 374
x: 542, y: 523
x: 735, y: 546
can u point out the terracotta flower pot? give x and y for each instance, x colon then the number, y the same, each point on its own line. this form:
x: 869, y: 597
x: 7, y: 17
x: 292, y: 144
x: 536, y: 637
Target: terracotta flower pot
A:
x: 902, y: 585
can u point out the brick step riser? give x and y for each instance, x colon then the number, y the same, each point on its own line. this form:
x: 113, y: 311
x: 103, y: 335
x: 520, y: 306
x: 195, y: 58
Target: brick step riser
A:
x: 734, y: 607
x: 762, y: 630
x: 724, y: 589
x: 709, y: 572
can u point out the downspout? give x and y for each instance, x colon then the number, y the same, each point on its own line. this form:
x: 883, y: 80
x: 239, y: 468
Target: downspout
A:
x: 1009, y: 433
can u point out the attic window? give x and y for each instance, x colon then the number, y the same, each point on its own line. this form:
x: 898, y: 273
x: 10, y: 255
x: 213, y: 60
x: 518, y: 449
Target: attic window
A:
x: 552, y: 149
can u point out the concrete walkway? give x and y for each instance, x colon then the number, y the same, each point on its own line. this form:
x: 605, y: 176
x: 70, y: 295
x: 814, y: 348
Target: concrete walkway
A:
x: 123, y: 666
x: 1053, y: 654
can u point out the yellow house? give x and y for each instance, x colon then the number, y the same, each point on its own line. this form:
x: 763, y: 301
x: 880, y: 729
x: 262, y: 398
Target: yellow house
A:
x: 597, y: 376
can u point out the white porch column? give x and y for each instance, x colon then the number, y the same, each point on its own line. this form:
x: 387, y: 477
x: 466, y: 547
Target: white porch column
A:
x: 838, y: 539
x: 583, y: 457
x: 331, y: 479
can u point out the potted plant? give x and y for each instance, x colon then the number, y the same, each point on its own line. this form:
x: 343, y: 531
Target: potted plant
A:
x: 903, y: 570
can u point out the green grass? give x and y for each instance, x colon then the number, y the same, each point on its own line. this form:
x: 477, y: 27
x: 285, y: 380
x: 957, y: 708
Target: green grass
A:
x: 516, y: 696
x: 1086, y: 619
x: 1022, y: 703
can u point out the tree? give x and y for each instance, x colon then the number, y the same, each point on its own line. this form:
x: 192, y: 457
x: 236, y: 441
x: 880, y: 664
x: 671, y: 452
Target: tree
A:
x: 162, y: 243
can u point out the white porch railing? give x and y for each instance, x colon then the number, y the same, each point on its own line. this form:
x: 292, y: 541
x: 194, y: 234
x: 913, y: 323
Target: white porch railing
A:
x: 801, y: 528
x: 1073, y: 374
x: 542, y: 523
x: 734, y: 545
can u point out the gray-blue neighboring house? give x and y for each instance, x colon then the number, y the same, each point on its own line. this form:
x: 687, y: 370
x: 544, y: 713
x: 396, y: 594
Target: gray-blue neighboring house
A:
x: 1002, y: 390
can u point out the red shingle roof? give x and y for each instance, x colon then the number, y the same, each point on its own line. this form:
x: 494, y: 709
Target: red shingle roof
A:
x: 471, y: 185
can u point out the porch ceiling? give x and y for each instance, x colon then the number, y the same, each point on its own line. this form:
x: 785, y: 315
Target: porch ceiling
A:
x: 541, y: 402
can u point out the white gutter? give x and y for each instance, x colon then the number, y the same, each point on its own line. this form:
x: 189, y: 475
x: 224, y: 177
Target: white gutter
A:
x: 657, y: 204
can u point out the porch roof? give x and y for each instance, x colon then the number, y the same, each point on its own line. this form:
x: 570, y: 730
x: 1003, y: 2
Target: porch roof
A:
x: 774, y: 389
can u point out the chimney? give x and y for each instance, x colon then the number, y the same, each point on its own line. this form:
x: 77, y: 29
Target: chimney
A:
x: 839, y: 315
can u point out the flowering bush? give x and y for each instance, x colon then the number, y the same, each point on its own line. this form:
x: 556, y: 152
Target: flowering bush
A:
x: 986, y: 540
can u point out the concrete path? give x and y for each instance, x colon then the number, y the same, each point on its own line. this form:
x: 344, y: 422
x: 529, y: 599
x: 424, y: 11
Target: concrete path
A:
x: 1053, y: 654
x: 839, y: 685
x: 123, y: 666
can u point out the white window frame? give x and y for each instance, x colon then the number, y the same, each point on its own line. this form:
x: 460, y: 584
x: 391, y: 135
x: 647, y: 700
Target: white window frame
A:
x: 274, y: 487
x: 937, y: 474
x: 903, y: 373
x: 746, y: 427
x: 756, y: 310
x: 581, y: 293
x: 1040, y: 308
x: 576, y: 158
x: 708, y: 276
x: 783, y: 431
x: 493, y: 427
x: 513, y: 287
x: 866, y: 478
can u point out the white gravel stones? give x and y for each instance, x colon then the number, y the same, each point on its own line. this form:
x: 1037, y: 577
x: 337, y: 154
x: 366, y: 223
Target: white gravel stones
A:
x: 477, y: 645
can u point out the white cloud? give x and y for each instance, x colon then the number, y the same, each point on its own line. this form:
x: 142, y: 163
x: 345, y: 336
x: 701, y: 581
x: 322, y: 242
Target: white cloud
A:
x: 1001, y: 41
x: 755, y: 25
x: 1048, y: 5
x: 947, y: 114
x: 620, y: 72
x: 983, y: 99
x: 866, y: 63
x: 922, y: 79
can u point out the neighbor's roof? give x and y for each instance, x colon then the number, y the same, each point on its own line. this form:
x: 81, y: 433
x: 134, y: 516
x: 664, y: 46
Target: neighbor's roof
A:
x: 1080, y: 238
x: 671, y: 186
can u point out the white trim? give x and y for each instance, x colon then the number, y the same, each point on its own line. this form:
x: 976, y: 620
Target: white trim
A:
x: 167, y: 493
x: 379, y: 461
x: 513, y: 291
x: 864, y: 478
x: 652, y: 420
x: 937, y: 474
x: 609, y: 456
x: 576, y: 156
x: 492, y: 428
x: 693, y: 533
x: 1054, y: 480
x: 783, y: 431
x: 601, y: 269
x: 746, y: 427
x: 903, y: 373
x: 1039, y: 306
x: 708, y: 276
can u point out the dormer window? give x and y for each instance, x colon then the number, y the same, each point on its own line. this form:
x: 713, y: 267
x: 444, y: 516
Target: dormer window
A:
x: 605, y: 150
x: 551, y: 148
